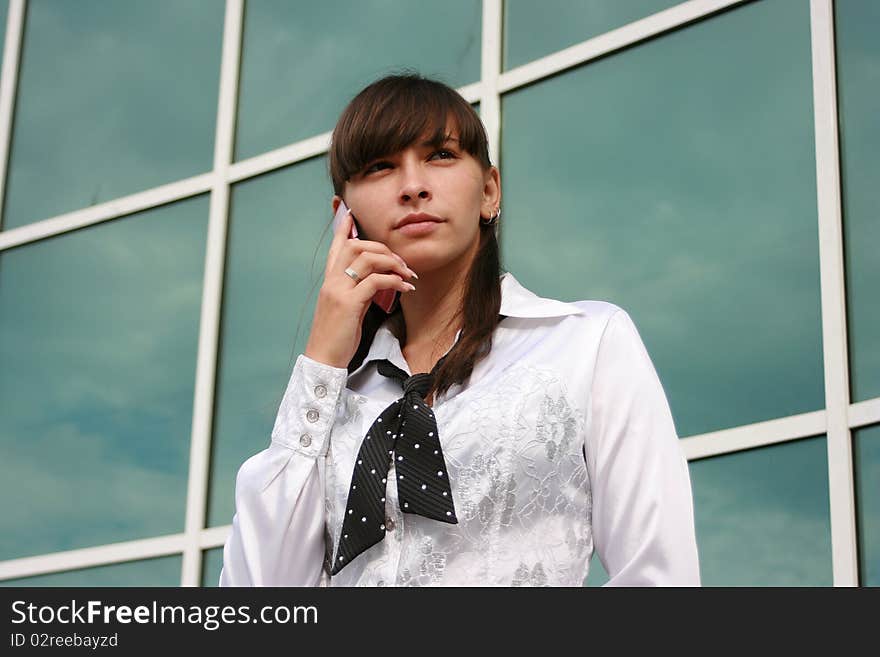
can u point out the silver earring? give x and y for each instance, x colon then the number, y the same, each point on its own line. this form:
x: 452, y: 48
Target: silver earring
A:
x: 493, y: 219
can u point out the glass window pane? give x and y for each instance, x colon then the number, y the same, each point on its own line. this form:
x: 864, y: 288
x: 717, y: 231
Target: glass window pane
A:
x: 4, y: 10
x: 113, y: 98
x: 275, y: 231
x: 597, y: 575
x: 762, y: 516
x: 98, y: 338
x: 302, y: 64
x: 867, y: 470
x: 212, y: 564
x: 693, y: 206
x: 858, y: 60
x: 161, y: 571
x: 534, y: 29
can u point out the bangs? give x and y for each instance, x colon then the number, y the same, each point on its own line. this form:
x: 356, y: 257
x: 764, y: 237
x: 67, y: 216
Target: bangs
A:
x: 395, y: 113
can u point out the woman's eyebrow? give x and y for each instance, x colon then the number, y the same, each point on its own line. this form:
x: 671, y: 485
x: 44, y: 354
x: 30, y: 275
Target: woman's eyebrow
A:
x: 434, y: 143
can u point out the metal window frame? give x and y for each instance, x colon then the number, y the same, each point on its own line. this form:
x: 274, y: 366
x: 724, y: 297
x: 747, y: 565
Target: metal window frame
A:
x: 836, y: 420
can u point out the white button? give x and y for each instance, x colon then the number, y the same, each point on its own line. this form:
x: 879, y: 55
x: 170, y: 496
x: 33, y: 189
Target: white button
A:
x: 389, y: 524
x: 305, y: 440
x: 312, y: 415
x: 320, y: 391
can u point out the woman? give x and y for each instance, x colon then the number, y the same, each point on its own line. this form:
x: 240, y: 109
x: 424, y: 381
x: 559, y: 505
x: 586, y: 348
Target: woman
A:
x: 552, y: 435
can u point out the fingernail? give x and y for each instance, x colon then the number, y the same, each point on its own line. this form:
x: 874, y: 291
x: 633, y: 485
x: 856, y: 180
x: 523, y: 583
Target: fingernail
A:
x: 412, y: 273
x: 410, y: 286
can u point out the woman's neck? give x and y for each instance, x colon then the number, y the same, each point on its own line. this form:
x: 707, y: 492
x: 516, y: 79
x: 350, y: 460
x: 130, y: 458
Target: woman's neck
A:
x: 430, y: 318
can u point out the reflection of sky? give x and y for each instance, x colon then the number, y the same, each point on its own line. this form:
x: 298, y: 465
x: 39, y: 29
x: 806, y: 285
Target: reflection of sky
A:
x: 275, y: 227
x: 98, y: 336
x: 113, y: 98
x: 858, y: 83
x: 534, y: 29
x: 762, y: 516
x: 299, y: 68
x: 4, y: 9
x: 162, y: 571
x: 683, y: 189
x: 212, y: 564
x: 866, y: 452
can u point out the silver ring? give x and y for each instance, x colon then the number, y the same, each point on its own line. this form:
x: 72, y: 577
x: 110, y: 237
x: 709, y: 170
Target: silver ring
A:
x: 354, y: 275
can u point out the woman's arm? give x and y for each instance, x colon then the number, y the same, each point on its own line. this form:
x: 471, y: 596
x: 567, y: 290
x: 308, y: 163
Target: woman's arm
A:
x: 277, y: 534
x: 643, y: 519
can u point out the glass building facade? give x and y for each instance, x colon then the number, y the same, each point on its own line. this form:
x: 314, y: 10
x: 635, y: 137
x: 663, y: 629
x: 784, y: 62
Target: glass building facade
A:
x: 711, y: 166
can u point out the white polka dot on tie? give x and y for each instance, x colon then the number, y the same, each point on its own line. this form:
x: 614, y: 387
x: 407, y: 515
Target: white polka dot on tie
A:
x: 424, y: 486
x: 360, y: 461
x: 387, y: 433
x: 353, y: 486
x: 400, y: 476
x: 416, y: 445
x: 406, y: 505
x: 449, y: 513
x: 439, y: 473
x: 384, y: 480
x: 379, y: 420
x: 394, y: 435
x: 350, y: 511
x: 341, y: 558
x: 430, y: 433
x: 373, y: 471
x: 444, y: 493
x: 399, y: 458
x: 391, y: 451
x: 364, y: 518
x: 416, y: 406
x: 436, y: 452
x: 382, y: 499
x: 381, y: 526
x: 345, y: 536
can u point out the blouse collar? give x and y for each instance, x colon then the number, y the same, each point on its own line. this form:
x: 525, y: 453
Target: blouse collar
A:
x: 516, y: 301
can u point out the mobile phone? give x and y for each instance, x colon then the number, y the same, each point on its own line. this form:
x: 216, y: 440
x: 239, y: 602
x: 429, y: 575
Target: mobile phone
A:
x: 383, y: 298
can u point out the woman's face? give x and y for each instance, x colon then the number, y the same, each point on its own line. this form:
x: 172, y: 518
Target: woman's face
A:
x: 446, y: 183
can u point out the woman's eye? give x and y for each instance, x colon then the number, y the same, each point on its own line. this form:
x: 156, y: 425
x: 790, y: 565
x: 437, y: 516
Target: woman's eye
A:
x: 375, y: 166
x: 448, y: 154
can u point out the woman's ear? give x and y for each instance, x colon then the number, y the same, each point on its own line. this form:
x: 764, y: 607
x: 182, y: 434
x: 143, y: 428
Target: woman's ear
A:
x: 334, y: 204
x: 491, y: 191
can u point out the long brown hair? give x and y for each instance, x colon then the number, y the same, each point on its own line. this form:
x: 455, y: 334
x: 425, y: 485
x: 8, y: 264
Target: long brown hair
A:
x: 384, y: 118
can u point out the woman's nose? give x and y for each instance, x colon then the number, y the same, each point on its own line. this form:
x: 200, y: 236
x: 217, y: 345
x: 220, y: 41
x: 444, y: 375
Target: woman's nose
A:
x: 414, y: 185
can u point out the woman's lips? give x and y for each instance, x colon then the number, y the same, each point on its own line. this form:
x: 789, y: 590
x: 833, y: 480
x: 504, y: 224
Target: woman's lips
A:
x: 419, y: 228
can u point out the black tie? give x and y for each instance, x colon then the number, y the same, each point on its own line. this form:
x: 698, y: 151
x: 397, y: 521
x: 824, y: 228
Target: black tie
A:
x: 407, y: 432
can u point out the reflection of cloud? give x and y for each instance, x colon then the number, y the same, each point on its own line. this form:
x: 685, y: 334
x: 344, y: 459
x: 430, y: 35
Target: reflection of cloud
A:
x: 858, y: 66
x: 276, y: 223
x: 867, y: 464
x: 75, y: 489
x: 105, y: 107
x: 333, y: 62
x: 762, y: 516
x: 98, y: 332
x: 535, y: 29
x: 690, y: 205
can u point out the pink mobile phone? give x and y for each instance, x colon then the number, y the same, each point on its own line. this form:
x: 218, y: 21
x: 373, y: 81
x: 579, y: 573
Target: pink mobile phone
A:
x: 383, y: 298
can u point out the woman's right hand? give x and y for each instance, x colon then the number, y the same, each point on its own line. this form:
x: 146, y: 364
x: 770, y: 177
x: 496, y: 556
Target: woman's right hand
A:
x: 343, y: 302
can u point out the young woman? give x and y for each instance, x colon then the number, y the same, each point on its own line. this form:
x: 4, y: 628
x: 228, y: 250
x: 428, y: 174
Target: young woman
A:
x: 476, y: 435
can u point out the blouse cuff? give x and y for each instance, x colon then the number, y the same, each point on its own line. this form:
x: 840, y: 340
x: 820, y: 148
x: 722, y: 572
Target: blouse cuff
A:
x: 308, y: 409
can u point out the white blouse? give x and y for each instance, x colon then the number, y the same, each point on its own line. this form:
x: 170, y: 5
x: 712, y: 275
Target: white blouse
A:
x: 561, y: 442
